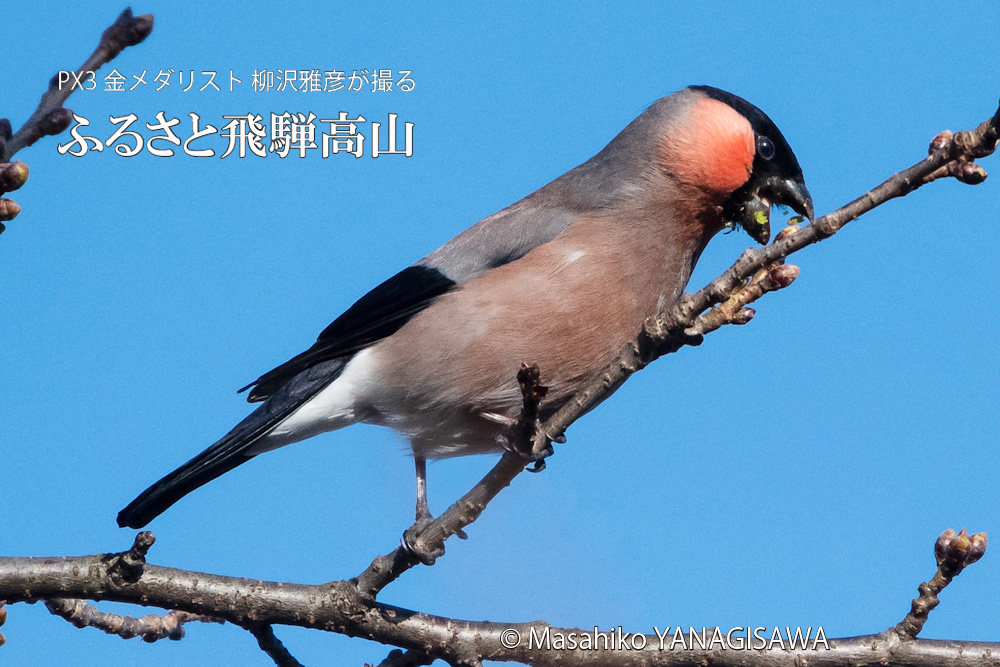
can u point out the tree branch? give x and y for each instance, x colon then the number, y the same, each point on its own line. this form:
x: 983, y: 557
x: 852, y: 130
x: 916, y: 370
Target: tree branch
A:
x: 399, y: 658
x: 271, y: 645
x: 337, y: 607
x: 150, y: 627
x: 50, y: 117
x: 953, y: 553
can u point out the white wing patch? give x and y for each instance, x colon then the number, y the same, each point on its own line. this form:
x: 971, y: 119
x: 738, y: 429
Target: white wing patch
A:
x: 331, y: 409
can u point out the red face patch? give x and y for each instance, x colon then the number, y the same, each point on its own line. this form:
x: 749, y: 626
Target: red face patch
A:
x: 712, y: 149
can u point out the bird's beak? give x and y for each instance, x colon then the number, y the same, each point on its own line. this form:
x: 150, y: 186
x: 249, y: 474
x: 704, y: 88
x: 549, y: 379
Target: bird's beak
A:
x: 790, y: 192
x: 754, y: 214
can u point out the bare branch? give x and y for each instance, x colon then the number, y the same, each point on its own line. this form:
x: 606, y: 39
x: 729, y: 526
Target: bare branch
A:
x: 50, y: 117
x: 127, y: 567
x: 349, y: 607
x: 150, y: 627
x: 399, y: 658
x: 953, y: 553
x: 271, y: 645
x: 337, y: 607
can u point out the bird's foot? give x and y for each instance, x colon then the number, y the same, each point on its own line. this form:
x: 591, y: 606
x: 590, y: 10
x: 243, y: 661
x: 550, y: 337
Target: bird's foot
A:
x: 532, y: 450
x: 416, y: 544
x: 536, y: 457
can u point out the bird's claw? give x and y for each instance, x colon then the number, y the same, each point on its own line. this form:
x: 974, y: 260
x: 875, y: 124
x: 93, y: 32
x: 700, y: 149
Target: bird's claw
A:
x: 535, y: 458
x: 414, y: 544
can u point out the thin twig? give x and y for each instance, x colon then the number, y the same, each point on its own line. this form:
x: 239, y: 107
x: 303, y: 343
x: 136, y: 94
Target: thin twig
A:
x: 271, y: 645
x: 397, y: 658
x: 150, y: 627
x: 953, y: 554
x: 130, y: 564
x: 50, y: 117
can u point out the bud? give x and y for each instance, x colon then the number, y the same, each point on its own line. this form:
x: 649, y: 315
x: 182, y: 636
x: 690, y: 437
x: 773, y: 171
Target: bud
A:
x: 956, y: 552
x: 784, y: 275
x: 940, y: 141
x: 528, y: 376
x: 977, y: 548
x: 13, y: 176
x: 56, y: 121
x: 969, y: 173
x: 941, y: 545
x: 3, y: 615
x: 786, y: 232
x: 139, y: 29
x: 8, y: 209
x: 743, y: 316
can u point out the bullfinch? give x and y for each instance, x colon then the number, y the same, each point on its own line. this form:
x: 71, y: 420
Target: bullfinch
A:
x: 563, y: 278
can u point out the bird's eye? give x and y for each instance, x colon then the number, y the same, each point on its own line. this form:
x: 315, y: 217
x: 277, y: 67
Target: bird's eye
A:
x: 765, y: 148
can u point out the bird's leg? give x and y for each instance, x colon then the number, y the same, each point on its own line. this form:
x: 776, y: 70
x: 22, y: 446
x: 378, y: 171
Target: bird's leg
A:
x: 423, y: 511
x: 412, y: 542
x: 411, y: 537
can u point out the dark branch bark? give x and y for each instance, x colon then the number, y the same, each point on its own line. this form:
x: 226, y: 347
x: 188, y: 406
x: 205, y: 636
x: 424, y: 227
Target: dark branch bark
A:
x: 150, y: 627
x: 338, y: 607
x: 50, y: 117
x: 271, y: 645
x: 399, y: 658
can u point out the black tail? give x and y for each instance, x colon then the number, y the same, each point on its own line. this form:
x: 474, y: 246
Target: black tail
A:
x: 232, y: 449
x: 220, y: 458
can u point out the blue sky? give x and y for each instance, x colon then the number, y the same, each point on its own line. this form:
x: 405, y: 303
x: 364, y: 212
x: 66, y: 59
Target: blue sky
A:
x: 795, y: 471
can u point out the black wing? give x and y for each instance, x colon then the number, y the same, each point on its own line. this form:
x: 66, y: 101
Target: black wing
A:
x: 376, y: 315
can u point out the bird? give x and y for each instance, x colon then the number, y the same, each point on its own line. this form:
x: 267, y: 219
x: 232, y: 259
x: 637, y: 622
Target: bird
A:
x: 562, y: 279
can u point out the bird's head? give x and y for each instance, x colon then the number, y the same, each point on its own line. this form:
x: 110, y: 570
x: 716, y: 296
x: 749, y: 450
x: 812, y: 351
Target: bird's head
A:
x: 775, y: 176
x: 723, y: 145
